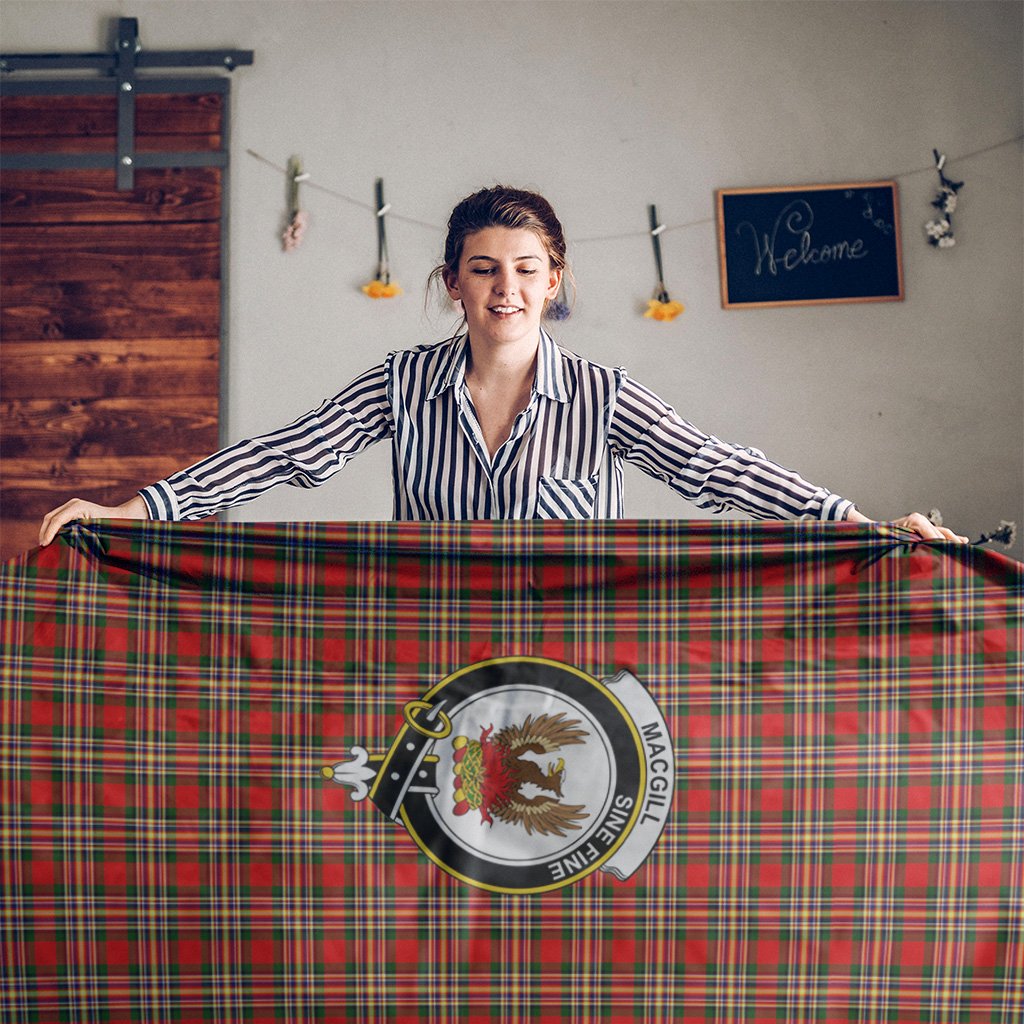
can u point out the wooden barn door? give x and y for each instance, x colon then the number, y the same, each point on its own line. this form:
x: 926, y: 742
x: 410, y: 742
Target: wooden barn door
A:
x: 111, y: 297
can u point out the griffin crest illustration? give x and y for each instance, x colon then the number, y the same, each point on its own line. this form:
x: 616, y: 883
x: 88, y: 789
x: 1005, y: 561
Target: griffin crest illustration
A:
x: 491, y: 772
x: 542, y: 820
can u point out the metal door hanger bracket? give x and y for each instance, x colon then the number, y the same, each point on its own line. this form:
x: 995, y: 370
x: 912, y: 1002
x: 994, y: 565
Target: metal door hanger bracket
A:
x: 128, y: 46
x: 122, y: 66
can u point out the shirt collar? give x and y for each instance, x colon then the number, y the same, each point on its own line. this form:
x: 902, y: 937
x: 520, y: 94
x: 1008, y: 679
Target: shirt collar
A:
x: 551, y: 375
x: 550, y: 379
x: 451, y: 370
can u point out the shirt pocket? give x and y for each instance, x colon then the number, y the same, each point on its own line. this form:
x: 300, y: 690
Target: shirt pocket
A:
x: 564, y: 498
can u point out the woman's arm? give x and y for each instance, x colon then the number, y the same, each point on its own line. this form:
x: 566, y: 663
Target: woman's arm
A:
x: 710, y: 472
x: 715, y: 474
x: 305, y: 453
x: 76, y: 508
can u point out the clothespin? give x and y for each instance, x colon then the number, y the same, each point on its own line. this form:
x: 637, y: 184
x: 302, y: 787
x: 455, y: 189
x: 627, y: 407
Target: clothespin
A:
x: 295, y: 177
x: 940, y: 163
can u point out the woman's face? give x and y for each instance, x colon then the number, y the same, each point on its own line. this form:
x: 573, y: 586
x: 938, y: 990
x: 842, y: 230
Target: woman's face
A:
x: 504, y: 280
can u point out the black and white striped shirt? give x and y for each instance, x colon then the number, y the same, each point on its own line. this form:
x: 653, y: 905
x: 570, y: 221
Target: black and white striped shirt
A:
x: 562, y: 459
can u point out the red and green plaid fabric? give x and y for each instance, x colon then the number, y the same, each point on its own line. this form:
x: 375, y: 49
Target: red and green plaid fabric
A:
x: 846, y: 841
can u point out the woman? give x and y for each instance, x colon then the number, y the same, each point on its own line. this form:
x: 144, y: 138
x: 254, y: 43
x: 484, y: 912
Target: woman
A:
x: 498, y: 422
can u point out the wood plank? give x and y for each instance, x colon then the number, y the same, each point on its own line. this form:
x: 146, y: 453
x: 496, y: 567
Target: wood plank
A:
x: 58, y: 429
x: 118, y: 309
x: 99, y: 252
x: 108, y: 144
x: 75, y: 116
x: 110, y: 297
x: 33, y: 486
x: 83, y: 116
x: 163, y: 195
x: 110, y: 369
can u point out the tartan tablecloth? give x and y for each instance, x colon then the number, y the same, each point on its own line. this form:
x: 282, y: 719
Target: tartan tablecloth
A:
x: 228, y: 793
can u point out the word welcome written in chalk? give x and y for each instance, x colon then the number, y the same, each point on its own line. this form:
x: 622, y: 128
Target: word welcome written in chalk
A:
x: 796, y: 221
x: 819, y: 243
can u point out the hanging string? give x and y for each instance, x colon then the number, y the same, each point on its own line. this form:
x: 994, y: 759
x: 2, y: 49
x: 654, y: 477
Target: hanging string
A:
x: 965, y: 156
x: 310, y: 183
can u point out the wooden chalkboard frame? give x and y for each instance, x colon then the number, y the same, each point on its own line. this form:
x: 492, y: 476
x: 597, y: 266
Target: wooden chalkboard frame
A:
x: 800, y: 249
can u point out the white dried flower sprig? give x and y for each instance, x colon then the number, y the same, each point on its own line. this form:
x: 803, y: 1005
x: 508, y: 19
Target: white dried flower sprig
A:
x: 940, y: 231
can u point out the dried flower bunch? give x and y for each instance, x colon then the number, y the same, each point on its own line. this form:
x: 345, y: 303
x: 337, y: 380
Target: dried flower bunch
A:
x: 298, y: 218
x: 1005, y: 533
x: 660, y: 307
x: 381, y: 287
x: 559, y: 308
x: 940, y: 231
x: 292, y: 237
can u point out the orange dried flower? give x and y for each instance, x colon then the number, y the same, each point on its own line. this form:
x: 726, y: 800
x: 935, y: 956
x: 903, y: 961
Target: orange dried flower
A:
x: 381, y: 290
x: 665, y: 311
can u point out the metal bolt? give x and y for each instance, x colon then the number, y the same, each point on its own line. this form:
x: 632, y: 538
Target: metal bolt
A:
x: 126, y: 87
x: 126, y: 160
x: 125, y: 43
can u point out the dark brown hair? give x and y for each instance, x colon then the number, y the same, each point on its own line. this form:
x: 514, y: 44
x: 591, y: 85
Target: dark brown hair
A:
x: 500, y: 207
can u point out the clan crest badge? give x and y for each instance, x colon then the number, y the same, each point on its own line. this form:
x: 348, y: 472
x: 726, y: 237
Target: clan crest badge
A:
x: 523, y: 774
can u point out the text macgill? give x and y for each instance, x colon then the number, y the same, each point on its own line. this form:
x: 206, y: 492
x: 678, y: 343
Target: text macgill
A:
x: 661, y: 769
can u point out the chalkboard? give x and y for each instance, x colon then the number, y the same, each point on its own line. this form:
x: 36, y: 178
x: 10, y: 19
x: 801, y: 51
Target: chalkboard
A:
x: 809, y: 245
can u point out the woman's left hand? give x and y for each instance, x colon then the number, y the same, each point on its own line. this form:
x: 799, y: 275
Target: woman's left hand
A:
x: 920, y: 524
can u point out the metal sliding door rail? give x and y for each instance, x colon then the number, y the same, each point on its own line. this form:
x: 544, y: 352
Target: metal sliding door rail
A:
x: 124, y: 82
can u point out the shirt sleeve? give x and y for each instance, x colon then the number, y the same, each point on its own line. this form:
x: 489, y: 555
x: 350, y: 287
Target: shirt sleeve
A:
x: 711, y: 473
x: 305, y: 453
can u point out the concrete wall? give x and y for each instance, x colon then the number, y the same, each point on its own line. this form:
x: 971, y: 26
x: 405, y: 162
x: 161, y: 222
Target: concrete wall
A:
x: 606, y: 107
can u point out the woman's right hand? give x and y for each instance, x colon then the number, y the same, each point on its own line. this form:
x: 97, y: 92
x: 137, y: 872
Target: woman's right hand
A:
x: 76, y: 508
